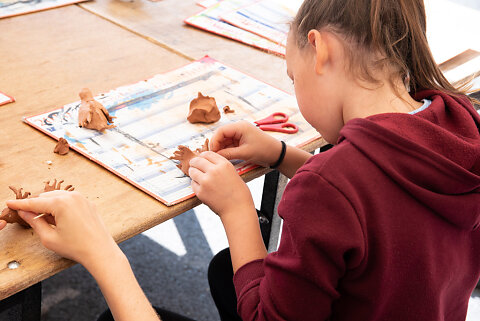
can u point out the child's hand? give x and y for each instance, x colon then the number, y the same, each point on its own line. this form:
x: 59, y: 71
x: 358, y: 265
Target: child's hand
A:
x: 2, y: 224
x: 217, y: 184
x: 243, y: 140
x: 79, y: 233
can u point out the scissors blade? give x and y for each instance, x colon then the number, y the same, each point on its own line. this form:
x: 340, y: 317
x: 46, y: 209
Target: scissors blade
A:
x: 275, y: 118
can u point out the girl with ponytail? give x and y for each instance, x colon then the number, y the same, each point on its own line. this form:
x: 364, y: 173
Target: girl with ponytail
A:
x: 384, y: 225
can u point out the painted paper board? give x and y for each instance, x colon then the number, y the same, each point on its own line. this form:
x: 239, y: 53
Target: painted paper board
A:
x: 151, y: 123
x: 9, y: 8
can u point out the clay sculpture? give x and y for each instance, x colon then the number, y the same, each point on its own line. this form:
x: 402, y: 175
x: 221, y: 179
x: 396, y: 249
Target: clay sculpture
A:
x: 227, y: 110
x: 184, y: 155
x: 62, y: 147
x: 11, y: 216
x: 92, y: 114
x: 203, y: 109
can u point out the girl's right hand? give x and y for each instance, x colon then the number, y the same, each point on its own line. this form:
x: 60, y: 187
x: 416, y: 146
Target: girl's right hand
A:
x: 245, y: 141
x: 79, y: 234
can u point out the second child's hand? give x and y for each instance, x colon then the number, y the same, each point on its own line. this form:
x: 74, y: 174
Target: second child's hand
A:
x: 79, y: 234
x: 216, y: 183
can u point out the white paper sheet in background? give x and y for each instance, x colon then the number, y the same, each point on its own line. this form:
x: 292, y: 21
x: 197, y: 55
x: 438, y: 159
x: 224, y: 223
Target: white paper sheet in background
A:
x: 210, y: 20
x: 4, y: 99
x: 151, y: 123
x: 9, y: 8
x: 267, y: 18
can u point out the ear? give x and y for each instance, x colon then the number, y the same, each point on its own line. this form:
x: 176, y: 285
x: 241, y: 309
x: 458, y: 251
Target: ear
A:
x: 320, y: 48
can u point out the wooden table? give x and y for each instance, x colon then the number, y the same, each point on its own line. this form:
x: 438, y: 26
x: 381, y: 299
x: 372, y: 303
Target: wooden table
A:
x: 162, y: 22
x: 47, y: 57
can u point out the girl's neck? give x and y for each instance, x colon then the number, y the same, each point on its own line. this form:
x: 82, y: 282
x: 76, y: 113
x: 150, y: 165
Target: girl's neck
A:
x: 363, y: 101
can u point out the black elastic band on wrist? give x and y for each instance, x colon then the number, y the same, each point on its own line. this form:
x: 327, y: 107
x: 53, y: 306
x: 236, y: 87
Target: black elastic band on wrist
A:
x: 282, y: 155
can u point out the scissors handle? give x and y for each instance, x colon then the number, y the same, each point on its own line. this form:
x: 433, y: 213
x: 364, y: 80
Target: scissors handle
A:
x: 275, y: 118
x: 286, y: 128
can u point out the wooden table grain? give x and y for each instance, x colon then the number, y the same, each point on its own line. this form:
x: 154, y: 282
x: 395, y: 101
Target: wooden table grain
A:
x: 162, y: 22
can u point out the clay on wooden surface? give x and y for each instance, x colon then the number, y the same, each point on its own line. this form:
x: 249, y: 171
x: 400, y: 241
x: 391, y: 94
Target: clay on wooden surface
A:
x: 92, y: 114
x: 227, y: 110
x: 62, y: 147
x: 203, y: 109
x: 11, y: 216
x: 185, y: 154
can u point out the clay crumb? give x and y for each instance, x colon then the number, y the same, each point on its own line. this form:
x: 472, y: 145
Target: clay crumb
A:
x: 203, y: 109
x: 62, y: 147
x: 185, y: 154
x: 227, y: 110
x: 92, y: 114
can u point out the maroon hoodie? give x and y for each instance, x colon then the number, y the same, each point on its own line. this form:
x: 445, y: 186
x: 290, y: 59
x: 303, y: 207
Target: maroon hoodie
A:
x: 384, y: 226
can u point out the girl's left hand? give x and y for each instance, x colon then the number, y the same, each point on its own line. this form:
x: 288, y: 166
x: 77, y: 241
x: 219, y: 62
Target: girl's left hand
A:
x: 217, y: 184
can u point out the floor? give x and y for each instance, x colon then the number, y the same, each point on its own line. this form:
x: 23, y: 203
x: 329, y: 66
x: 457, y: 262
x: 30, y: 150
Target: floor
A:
x: 170, y: 260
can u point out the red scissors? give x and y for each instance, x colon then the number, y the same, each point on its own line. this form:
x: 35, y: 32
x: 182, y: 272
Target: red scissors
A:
x: 277, y: 122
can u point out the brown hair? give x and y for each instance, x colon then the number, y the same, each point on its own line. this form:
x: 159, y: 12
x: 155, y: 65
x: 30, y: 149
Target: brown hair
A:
x: 394, y: 29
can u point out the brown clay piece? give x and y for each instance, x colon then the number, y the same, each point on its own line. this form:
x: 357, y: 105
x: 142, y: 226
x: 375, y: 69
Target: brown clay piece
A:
x: 62, y: 147
x: 92, y: 114
x: 203, y: 109
x: 185, y: 154
x: 11, y: 216
x: 227, y: 110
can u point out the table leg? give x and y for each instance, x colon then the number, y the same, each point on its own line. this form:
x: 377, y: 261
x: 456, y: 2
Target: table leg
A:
x: 272, y: 193
x: 23, y: 306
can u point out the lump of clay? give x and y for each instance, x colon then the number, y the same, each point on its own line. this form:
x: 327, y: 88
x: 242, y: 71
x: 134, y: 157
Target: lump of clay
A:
x: 92, y: 114
x: 184, y: 155
x: 227, y: 110
x: 62, y: 147
x: 203, y: 109
x: 11, y: 216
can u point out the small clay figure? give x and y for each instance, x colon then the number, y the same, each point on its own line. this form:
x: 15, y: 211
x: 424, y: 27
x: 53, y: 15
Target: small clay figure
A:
x: 184, y: 155
x: 203, y: 109
x: 227, y: 110
x: 11, y: 216
x: 62, y: 147
x: 56, y: 186
x: 92, y: 114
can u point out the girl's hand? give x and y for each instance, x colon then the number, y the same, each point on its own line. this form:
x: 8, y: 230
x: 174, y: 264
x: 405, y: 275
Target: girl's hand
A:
x: 217, y: 184
x: 79, y: 233
x: 2, y: 224
x: 243, y: 140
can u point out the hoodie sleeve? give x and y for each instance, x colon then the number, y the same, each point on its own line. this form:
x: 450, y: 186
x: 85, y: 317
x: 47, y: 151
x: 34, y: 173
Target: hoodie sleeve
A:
x: 321, y: 239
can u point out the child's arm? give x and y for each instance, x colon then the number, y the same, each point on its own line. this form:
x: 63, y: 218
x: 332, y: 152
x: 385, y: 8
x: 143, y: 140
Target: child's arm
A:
x: 80, y: 235
x: 217, y: 184
x: 244, y: 141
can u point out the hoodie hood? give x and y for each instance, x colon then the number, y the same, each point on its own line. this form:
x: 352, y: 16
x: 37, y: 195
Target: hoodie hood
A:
x: 433, y: 154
